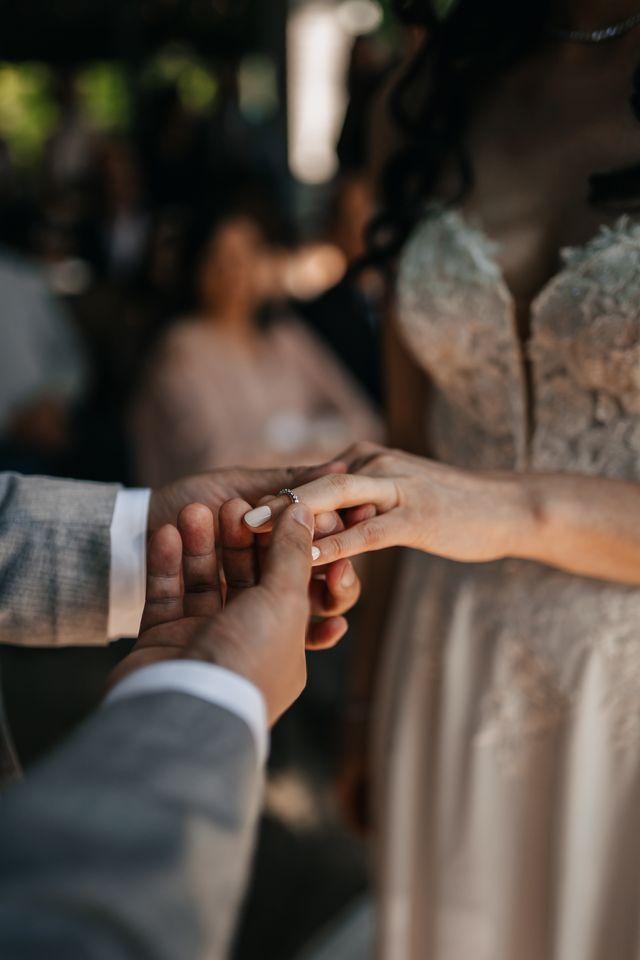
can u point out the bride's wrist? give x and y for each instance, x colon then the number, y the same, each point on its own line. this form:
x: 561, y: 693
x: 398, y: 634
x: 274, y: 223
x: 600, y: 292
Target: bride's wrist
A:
x: 503, y: 516
x: 525, y: 506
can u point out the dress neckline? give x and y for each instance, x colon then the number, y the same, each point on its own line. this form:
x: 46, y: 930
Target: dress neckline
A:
x: 624, y: 228
x: 483, y: 250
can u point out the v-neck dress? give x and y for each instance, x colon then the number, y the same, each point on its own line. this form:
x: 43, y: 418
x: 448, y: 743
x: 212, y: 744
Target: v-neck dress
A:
x: 508, y: 744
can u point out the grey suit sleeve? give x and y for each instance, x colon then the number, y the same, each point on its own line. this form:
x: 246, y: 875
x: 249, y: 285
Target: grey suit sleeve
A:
x: 133, y: 840
x: 55, y: 555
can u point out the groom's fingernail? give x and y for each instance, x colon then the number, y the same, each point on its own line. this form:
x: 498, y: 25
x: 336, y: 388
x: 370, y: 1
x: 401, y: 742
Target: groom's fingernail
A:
x: 258, y: 517
x: 315, y: 553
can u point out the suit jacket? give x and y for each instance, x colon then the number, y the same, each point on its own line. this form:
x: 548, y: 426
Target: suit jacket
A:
x: 55, y: 555
x: 133, y: 839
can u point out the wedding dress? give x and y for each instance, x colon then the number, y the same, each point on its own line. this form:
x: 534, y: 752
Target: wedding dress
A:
x: 508, y: 743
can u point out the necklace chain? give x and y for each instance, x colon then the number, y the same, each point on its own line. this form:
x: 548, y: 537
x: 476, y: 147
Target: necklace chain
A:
x: 595, y: 36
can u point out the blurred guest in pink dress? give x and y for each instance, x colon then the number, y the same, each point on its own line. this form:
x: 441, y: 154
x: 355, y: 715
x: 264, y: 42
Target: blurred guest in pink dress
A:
x: 222, y: 388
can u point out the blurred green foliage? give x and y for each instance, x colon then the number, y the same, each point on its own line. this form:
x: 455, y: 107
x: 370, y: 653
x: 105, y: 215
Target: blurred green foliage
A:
x: 179, y: 67
x: 104, y: 95
x: 27, y: 110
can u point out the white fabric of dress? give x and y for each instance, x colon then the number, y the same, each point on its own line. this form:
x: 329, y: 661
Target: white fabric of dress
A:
x: 508, y: 741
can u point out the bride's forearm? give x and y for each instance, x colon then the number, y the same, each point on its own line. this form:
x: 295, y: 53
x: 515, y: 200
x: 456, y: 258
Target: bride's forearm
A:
x: 589, y: 526
x: 585, y: 525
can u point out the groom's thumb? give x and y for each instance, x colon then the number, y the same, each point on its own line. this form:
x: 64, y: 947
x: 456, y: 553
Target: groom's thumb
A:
x: 287, y: 567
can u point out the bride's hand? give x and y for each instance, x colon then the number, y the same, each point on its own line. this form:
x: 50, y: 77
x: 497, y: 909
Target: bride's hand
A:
x: 391, y: 498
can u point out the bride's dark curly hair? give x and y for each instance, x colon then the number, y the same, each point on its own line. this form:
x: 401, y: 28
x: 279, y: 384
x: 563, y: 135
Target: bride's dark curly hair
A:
x: 463, y: 49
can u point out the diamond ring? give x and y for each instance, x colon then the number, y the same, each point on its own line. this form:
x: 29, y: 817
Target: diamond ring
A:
x: 286, y: 492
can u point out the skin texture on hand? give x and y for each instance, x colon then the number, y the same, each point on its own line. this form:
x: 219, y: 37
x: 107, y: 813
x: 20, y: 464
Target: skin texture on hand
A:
x: 182, y: 593
x: 215, y: 488
x: 261, y: 634
x: 333, y: 591
x: 586, y: 525
x: 390, y: 498
x: 339, y: 587
x: 251, y: 619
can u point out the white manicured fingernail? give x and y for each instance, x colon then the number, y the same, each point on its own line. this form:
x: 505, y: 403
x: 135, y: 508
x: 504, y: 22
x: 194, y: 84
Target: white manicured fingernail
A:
x: 257, y: 517
x: 315, y: 553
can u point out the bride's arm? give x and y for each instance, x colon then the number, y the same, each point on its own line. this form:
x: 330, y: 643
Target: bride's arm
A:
x: 585, y: 525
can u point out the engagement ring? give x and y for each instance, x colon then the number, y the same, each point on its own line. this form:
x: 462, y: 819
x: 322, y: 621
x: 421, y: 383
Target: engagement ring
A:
x: 286, y: 492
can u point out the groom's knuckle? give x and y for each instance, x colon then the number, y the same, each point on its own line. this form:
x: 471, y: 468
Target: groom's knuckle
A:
x: 293, y: 544
x: 240, y: 582
x: 201, y: 586
x: 161, y: 588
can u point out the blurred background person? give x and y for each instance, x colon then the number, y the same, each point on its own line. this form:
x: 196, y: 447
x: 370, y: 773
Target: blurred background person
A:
x: 123, y: 127
x: 43, y: 371
x: 123, y: 222
x: 226, y: 387
x: 69, y: 151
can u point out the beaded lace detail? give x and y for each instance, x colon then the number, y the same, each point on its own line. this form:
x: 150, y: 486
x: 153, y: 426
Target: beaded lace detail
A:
x: 457, y: 317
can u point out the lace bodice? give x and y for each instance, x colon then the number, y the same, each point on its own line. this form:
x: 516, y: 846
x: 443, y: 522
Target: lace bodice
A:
x: 459, y: 320
x: 508, y: 739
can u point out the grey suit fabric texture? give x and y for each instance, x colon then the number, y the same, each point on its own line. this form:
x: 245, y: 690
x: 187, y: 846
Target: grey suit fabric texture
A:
x: 132, y: 840
x: 55, y: 555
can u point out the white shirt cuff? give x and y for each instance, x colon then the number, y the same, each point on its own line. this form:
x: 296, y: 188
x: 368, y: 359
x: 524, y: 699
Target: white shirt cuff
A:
x: 128, y: 563
x: 208, y: 682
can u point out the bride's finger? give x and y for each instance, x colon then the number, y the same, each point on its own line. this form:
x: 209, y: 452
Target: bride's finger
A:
x: 334, y: 492
x: 324, y: 522
x: 378, y: 533
x: 324, y: 634
x: 358, y: 514
x: 337, y: 591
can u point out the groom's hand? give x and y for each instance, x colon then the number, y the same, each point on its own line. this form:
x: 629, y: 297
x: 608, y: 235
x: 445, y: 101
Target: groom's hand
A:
x: 260, y: 633
x: 335, y: 588
x: 182, y: 590
x: 216, y: 487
